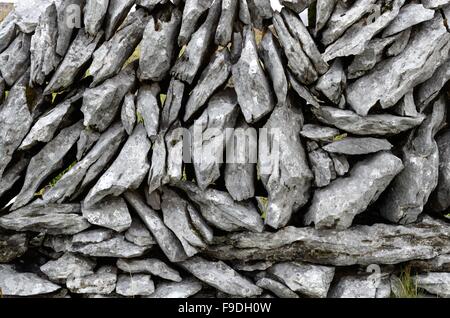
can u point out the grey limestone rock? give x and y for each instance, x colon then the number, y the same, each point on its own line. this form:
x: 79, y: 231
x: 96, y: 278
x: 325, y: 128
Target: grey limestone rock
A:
x: 15, y: 60
x: 68, y: 12
x: 434, y: 283
x: 324, y: 9
x: 148, y: 109
x: 87, y: 139
x: 128, y: 113
x: 13, y: 175
x: 151, y: 266
x: 138, y: 234
x: 101, y: 282
x: 358, y: 146
x: 333, y: 82
x: 409, y: 15
x: 277, y: 288
x: 157, y: 173
x: 7, y: 31
x: 322, y: 166
x: 430, y: 89
x: 94, y: 14
x: 92, y: 236
x: 192, y: 12
x: 116, y: 14
x: 68, y: 265
x: 12, y: 246
x: 440, y: 200
x: 135, y: 285
x: 184, y: 289
x: 362, y: 286
x: 319, y: 133
x: 172, y: 105
x: 228, y: 14
x: 111, y: 213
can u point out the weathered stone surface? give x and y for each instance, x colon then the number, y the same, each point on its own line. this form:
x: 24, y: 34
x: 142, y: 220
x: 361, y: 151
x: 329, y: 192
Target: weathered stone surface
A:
x: 392, y: 79
x: 430, y: 89
x: 94, y: 14
x: 47, y: 125
x: 279, y: 289
x: 151, y: 266
x: 407, y: 106
x: 270, y: 52
x: 46, y: 162
x: 12, y: 175
x: 82, y: 172
x: 363, y: 245
x: 434, y: 283
x: 101, y: 104
x: 309, y: 280
x: 251, y: 84
x: 298, y: 61
x: 228, y: 14
x: 341, y: 164
x: 148, y: 109
x: 304, y: 92
x: 13, y: 283
x: 319, y: 133
x: 210, y: 138
x: 362, y: 286
x: 336, y: 205
x: 68, y: 265
x: 111, y: 213
x: 172, y: 105
x: 220, y: 210
x: 409, y: 15
x: 184, y: 289
x: 174, y: 143
x: 101, y: 282
x: 324, y: 9
x: 177, y: 218
x: 437, y: 264
x: 166, y: 239
x: 49, y: 218
x: 136, y: 285
x: 139, y: 234
x: 126, y: 172
x: 117, y: 246
x: 240, y: 169
x: 128, y: 113
x: 213, y: 76
x: 440, y: 200
x: 322, y: 167
x: 221, y: 276
x: 117, y: 12
x: 15, y: 60
x: 286, y: 175
x: 382, y: 125
x: 188, y: 64
x: 192, y: 12
x: 400, y: 43
x: 12, y: 246
x: 87, y: 139
x: 92, y: 236
x: 78, y: 54
x: 157, y: 46
x: 44, y: 58
x: 333, y: 82
x: 435, y: 4
x: 358, y: 146
x: 110, y: 57
x: 157, y: 174
x: 410, y: 190
x: 7, y: 31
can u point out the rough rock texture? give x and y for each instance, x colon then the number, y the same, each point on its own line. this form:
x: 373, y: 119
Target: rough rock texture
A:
x: 363, y: 286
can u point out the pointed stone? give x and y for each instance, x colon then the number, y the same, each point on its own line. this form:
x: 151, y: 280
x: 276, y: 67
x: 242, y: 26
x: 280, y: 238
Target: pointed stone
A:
x: 358, y: 146
x: 67, y: 9
x: 117, y: 12
x: 324, y: 9
x: 151, y: 266
x: 319, y: 133
x: 12, y: 175
x: 128, y: 113
x: 87, y: 139
x: 228, y: 15
x: 111, y: 213
x: 148, y: 109
x: 139, y: 234
x: 94, y: 14
x: 277, y: 288
x: 409, y: 15
x: 430, y: 89
x: 68, y: 265
x: 15, y: 60
x: 192, y: 12
x: 333, y: 83
x: 184, y: 289
x: 7, y: 31
x: 12, y: 246
x: 172, y: 105
x: 362, y: 286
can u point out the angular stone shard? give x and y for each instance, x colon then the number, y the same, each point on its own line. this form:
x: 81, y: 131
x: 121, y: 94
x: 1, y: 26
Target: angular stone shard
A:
x: 409, y: 15
x: 177, y: 218
x: 127, y: 171
x: 221, y: 276
x: 14, y: 283
x: 298, y: 61
x: 76, y: 179
x: 210, y: 138
x: 47, y: 125
x: 151, y: 266
x: 319, y: 133
x: 333, y: 82
x: 12, y: 175
x: 363, y: 245
x: 172, y: 105
x: 435, y: 4
x: 117, y: 246
x: 297, y: 5
x: 358, y: 146
x: 44, y: 58
x: 46, y: 162
x: 407, y: 106
x: 189, y: 63
x: 228, y: 14
x: 322, y: 167
x: 148, y: 109
x: 382, y: 125
x: 270, y: 52
x: 110, y: 57
x: 400, y: 43
x: 298, y: 29
x: 92, y: 236
x: 355, y: 39
x: 362, y: 286
x: 136, y: 285
x: 102, y: 282
x: 15, y: 60
x: 324, y: 9
x: 430, y: 89
x: 128, y: 113
x: 336, y: 205
x: 94, y: 14
x: 392, y: 79
x: 12, y: 246
x: 7, y: 31
x: 184, y: 289
x: 437, y: 264
x: 87, y: 139
x: 341, y: 165
x: 68, y: 265
x: 53, y: 219
x: 117, y: 12
x: 434, y: 283
x: 78, y: 54
x: 220, y: 210
x: 440, y: 200
x: 240, y: 169
x: 279, y: 289
x: 157, y: 46
x: 166, y: 239
x: 157, y: 173
x: 309, y: 280
x: 213, y: 76
x: 174, y: 143
x: 192, y: 12
x: 410, y: 190
x: 283, y: 166
x: 101, y: 104
x: 139, y: 234
x: 304, y: 92
x: 111, y: 213
x: 67, y: 10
